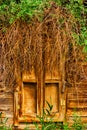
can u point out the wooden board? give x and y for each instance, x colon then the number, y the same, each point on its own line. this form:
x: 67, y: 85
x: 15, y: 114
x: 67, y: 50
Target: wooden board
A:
x: 29, y: 98
x: 52, y: 96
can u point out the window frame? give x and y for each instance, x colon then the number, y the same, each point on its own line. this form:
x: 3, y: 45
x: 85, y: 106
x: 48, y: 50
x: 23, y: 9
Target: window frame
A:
x: 18, y: 113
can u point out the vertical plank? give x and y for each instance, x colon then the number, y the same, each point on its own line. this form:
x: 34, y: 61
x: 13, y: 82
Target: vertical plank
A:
x: 16, y: 112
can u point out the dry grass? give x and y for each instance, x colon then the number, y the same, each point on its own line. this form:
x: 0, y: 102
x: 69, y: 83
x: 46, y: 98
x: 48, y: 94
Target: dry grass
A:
x: 48, y: 43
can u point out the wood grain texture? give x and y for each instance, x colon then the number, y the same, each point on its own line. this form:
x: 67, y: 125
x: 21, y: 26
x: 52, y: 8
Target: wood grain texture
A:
x: 72, y: 100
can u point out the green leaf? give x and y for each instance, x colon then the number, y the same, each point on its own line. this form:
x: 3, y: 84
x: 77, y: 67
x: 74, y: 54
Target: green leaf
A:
x: 85, y: 42
x: 48, y: 111
x: 49, y: 105
x: 85, y: 49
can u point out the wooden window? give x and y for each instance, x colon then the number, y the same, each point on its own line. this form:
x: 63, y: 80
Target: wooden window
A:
x: 33, y: 93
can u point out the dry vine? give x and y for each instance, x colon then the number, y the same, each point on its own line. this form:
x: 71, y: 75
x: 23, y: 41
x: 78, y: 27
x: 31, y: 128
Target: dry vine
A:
x: 28, y: 44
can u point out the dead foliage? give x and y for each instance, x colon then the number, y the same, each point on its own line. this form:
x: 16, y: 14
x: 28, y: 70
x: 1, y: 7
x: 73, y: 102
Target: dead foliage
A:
x: 48, y: 44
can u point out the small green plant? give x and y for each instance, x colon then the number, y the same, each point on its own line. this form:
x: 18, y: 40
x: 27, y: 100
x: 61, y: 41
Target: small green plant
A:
x: 48, y: 124
x: 3, y: 122
x: 45, y: 122
x: 26, y: 128
x: 77, y: 124
x: 66, y: 126
x: 48, y: 110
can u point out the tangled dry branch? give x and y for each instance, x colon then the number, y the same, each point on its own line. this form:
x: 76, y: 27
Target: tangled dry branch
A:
x: 27, y: 45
